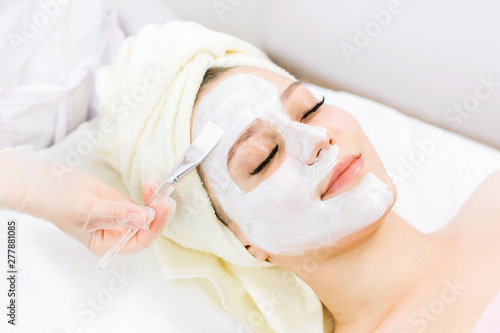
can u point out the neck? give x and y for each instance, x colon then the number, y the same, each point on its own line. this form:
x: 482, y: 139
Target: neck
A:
x: 371, y: 277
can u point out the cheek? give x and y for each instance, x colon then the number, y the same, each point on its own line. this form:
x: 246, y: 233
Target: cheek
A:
x: 350, y: 137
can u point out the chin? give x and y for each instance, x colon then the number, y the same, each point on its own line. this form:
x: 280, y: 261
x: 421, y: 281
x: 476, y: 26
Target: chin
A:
x: 390, y: 185
x: 353, y: 240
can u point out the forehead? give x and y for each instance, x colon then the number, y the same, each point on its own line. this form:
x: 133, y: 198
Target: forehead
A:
x: 235, y: 102
x: 278, y: 80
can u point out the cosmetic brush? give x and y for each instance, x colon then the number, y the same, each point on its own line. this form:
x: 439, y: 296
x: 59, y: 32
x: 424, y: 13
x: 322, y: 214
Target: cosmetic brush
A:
x: 209, y: 136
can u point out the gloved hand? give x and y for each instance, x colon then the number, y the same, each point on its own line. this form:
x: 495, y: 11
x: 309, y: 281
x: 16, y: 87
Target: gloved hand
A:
x: 83, y: 207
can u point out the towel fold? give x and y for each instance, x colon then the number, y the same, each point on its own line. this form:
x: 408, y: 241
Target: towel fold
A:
x: 147, y: 95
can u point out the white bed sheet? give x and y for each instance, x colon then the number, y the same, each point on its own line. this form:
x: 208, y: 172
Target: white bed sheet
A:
x: 58, y: 278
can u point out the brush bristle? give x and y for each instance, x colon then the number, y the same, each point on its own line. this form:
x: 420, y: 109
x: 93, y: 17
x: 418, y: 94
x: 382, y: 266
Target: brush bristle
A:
x: 209, y: 136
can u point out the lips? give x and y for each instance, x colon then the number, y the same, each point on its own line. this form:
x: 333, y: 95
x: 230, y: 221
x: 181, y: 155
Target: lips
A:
x: 342, y: 173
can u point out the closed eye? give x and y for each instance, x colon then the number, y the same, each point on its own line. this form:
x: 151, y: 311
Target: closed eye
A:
x: 314, y: 108
x: 266, y: 161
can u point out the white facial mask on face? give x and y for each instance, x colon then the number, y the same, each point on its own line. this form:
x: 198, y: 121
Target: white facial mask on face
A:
x: 281, y: 215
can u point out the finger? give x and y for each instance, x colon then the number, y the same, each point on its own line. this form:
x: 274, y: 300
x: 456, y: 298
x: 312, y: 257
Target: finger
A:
x: 165, y: 208
x: 107, y: 214
x: 100, y: 241
x: 168, y: 207
x: 165, y: 211
x: 150, y: 188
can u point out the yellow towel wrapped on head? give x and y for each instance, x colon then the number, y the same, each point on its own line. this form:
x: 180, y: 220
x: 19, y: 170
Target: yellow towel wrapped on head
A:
x: 148, y: 94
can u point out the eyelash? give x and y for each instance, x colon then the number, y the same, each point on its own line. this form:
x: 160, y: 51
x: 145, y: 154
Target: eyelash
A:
x: 266, y: 161
x: 314, y: 109
x: 275, y: 150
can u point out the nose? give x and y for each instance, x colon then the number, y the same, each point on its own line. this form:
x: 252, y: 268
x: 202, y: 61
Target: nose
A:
x: 322, y: 144
x: 305, y: 142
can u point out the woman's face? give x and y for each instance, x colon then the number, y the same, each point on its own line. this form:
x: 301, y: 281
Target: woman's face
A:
x: 257, y: 154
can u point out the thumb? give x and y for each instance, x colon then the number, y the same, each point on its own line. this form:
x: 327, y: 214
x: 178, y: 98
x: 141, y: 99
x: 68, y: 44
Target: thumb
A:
x: 108, y: 214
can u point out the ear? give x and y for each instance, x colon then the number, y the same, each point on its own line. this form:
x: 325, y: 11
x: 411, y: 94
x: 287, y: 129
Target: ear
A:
x: 259, y: 254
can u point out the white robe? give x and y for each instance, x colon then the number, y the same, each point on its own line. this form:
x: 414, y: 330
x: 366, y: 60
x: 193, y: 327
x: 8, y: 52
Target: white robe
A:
x: 49, y: 52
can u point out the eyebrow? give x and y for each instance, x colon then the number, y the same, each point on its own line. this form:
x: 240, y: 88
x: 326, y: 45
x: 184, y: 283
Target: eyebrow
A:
x: 255, y: 126
x: 285, y: 95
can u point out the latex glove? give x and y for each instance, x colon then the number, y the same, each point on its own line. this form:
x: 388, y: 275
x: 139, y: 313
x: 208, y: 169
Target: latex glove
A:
x: 83, y: 207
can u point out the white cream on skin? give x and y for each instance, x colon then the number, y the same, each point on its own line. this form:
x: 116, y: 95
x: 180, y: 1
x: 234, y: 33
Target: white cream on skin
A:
x: 281, y: 215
